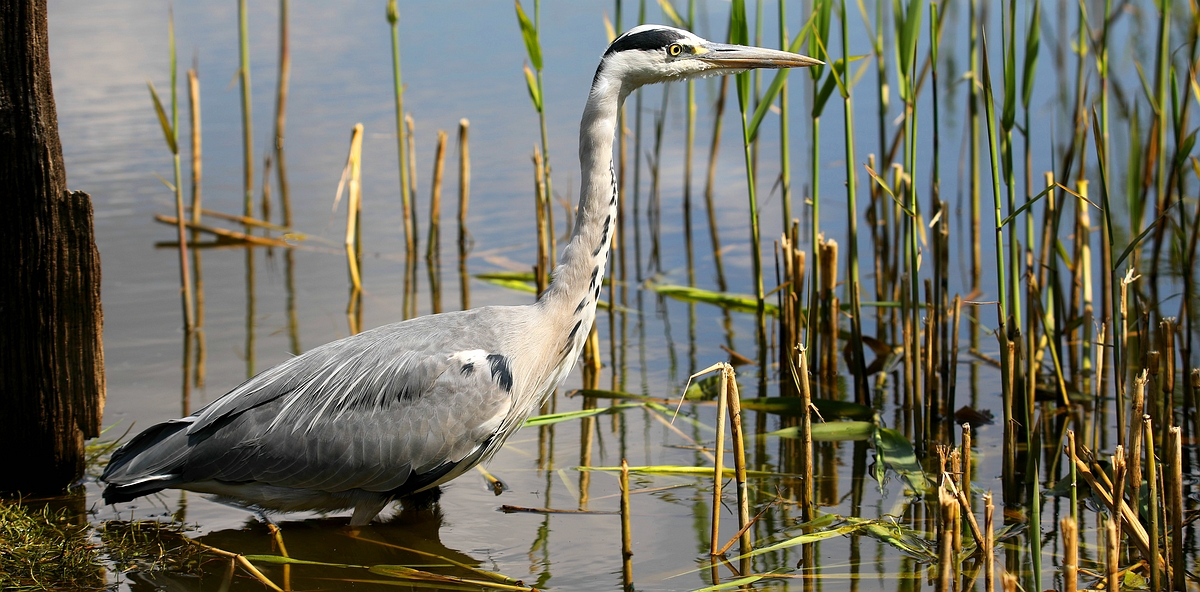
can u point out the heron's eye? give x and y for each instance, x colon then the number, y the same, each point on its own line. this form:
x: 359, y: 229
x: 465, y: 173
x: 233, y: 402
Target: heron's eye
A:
x: 675, y: 49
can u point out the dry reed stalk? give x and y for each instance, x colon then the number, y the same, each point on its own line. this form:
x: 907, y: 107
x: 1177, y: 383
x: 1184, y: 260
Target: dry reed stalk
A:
x: 1136, y: 532
x: 626, y: 530
x: 194, y: 112
x: 433, y: 247
x: 952, y: 356
x: 354, y: 195
x: 464, y: 198
x: 1134, y: 441
x: 956, y: 525
x: 1120, y: 474
x: 948, y: 506
x: 229, y: 235
x: 266, y: 187
x: 976, y: 533
x: 807, y: 510
x: 410, y: 283
x: 965, y: 452
x: 828, y: 319
x: 739, y: 455
x: 718, y: 464
x: 1007, y: 360
x: 541, y: 266
x: 989, y: 546
x: 1175, y: 506
x: 247, y: 119
x: 1156, y: 564
x: 197, y: 174
x: 281, y: 96
x: 1154, y: 404
x: 1112, y: 553
x: 1070, y: 561
x: 1166, y: 335
x: 1074, y: 485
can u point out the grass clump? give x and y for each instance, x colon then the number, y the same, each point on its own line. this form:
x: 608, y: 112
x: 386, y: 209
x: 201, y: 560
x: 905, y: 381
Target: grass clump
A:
x: 148, y: 545
x: 46, y: 550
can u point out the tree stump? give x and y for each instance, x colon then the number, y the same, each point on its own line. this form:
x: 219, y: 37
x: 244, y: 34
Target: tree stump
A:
x: 51, y: 354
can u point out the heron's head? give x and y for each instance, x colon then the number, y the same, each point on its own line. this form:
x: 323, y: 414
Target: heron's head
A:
x: 655, y: 53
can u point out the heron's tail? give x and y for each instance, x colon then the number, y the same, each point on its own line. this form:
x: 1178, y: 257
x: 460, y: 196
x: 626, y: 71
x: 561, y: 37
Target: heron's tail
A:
x: 151, y: 461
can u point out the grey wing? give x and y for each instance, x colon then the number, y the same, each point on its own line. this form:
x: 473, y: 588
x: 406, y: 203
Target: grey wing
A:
x: 370, y: 412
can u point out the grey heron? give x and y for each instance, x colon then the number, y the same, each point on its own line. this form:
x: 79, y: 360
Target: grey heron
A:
x: 405, y: 407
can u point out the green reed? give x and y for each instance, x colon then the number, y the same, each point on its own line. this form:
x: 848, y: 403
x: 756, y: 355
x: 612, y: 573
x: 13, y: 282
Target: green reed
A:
x: 247, y: 117
x: 530, y: 33
x: 170, y: 129
x: 740, y: 35
x: 407, y: 205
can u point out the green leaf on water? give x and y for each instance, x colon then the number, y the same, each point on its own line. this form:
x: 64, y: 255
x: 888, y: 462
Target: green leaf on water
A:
x: 735, y: 302
x: 732, y: 584
x: 896, y: 453
x: 553, y: 418
x: 828, y: 408
x: 831, y: 431
x: 606, y: 394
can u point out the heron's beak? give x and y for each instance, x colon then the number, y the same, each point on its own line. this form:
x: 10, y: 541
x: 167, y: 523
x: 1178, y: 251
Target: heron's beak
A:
x: 724, y: 56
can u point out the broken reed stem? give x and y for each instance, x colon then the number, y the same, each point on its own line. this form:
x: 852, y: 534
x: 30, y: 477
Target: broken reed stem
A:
x: 197, y: 209
x: 410, y: 282
x: 464, y: 197
x: 626, y: 530
x: 1070, y: 563
x: 1112, y: 553
x: 435, y: 198
x: 718, y: 465
x: 1152, y: 477
x: 807, y: 509
x: 989, y: 547
x: 965, y: 480
x: 433, y: 247
x: 739, y: 456
x: 1175, y: 504
x: 948, y: 504
x: 266, y: 187
x: 194, y: 112
x: 540, y: 267
x: 353, y: 166
x: 1134, y: 457
x: 1074, y: 484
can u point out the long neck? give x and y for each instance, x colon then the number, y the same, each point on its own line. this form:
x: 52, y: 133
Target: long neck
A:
x: 572, y: 295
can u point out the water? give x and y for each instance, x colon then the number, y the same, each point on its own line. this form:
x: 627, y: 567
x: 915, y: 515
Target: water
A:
x: 459, y: 60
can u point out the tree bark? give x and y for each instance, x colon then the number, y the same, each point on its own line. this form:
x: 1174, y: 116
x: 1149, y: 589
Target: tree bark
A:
x: 51, y: 355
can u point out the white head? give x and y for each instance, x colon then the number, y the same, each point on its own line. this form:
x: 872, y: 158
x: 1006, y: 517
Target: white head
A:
x: 655, y: 53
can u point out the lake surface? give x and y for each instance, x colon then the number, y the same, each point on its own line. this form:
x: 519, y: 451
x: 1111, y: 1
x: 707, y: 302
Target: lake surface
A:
x: 464, y: 60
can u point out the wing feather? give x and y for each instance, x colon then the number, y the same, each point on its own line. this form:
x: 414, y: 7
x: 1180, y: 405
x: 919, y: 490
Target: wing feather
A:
x: 373, y: 411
